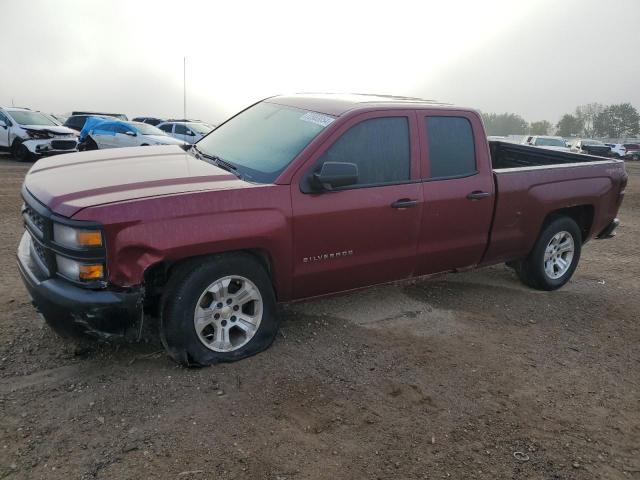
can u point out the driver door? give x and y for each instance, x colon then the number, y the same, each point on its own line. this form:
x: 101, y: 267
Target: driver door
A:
x: 365, y: 233
x: 124, y: 139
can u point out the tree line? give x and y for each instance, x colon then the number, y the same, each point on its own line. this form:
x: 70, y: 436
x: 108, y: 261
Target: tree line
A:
x: 590, y: 120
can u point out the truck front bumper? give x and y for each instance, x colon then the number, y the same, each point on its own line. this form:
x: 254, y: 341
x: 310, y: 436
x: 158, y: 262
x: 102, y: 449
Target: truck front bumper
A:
x: 75, y: 311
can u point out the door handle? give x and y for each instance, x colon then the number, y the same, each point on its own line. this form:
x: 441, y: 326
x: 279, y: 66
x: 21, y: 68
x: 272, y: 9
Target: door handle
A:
x: 404, y: 203
x: 477, y: 195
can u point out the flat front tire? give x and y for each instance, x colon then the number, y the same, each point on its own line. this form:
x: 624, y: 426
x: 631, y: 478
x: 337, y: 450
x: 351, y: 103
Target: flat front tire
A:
x: 554, y: 257
x: 218, y: 309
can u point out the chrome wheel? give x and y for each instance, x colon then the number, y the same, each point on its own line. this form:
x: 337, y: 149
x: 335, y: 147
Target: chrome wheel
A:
x: 558, y: 255
x: 228, y: 313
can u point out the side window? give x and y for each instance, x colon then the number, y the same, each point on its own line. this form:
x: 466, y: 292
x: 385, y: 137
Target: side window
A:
x: 451, y: 147
x: 379, y: 147
x: 167, y: 127
x: 180, y: 130
x: 4, y: 118
x: 122, y: 129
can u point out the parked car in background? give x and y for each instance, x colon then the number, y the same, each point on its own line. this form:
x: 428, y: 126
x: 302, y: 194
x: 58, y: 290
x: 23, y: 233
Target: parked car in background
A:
x: 547, y: 141
x: 189, y: 132
x: 591, y: 147
x: 150, y: 120
x: 116, y: 134
x: 120, y: 116
x: 76, y: 122
x: 618, y: 150
x: 329, y: 195
x: 28, y: 134
x: 632, y: 151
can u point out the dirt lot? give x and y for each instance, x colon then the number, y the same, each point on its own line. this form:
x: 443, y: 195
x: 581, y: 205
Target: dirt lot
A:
x: 443, y: 378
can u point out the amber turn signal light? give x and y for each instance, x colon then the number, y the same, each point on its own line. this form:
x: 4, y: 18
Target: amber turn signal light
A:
x: 91, y: 272
x: 89, y: 238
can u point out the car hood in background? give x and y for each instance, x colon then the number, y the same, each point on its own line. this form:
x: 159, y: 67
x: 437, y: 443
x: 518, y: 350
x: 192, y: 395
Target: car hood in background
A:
x: 165, y: 139
x: 55, y: 129
x: 69, y: 183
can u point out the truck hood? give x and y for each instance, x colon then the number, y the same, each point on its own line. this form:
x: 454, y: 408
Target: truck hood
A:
x: 69, y: 183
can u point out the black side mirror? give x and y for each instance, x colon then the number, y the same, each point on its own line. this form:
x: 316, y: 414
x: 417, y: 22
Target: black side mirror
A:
x: 335, y: 174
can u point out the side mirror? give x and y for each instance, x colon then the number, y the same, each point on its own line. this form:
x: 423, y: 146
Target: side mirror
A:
x: 130, y: 133
x: 191, y: 134
x: 335, y: 174
x: 2, y: 124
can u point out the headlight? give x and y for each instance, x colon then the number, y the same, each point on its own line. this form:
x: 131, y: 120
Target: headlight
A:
x: 76, y: 238
x: 75, y: 270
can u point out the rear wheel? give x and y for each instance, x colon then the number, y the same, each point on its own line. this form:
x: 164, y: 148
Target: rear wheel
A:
x: 554, y: 257
x: 221, y: 309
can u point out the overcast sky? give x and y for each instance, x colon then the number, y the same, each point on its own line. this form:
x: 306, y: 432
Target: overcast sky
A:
x: 538, y: 58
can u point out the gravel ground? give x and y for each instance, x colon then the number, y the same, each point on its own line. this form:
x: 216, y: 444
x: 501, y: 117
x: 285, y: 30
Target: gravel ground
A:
x: 463, y: 376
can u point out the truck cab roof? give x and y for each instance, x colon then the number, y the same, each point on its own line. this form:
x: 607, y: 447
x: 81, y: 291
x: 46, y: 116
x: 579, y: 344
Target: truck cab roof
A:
x: 337, y: 104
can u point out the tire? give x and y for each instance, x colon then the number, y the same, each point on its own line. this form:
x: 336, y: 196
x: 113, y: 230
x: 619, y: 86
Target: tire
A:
x: 195, y: 289
x: 539, y: 270
x: 22, y: 153
x: 90, y: 144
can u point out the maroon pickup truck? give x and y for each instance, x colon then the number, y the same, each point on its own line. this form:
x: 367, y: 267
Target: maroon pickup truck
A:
x: 296, y: 197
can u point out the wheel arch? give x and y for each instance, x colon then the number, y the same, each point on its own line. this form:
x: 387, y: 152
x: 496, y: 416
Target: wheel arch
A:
x: 581, y: 214
x: 156, y: 275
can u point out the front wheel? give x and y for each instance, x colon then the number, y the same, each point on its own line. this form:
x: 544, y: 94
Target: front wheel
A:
x: 219, y: 309
x: 554, y: 257
x: 22, y: 153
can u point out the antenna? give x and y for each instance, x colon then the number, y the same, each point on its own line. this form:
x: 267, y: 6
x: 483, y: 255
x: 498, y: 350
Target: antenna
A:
x: 184, y: 87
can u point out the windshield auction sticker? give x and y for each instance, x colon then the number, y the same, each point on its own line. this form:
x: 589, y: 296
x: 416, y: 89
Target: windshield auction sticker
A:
x: 317, y: 118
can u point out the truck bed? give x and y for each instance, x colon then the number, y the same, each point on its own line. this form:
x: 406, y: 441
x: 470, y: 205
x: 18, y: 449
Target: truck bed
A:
x: 531, y: 182
x: 511, y: 155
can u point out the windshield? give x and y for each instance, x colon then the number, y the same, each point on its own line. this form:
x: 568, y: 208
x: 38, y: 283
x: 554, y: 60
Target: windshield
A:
x: 31, y: 118
x: 146, y: 129
x: 551, y: 142
x: 261, y: 141
x: 200, y: 127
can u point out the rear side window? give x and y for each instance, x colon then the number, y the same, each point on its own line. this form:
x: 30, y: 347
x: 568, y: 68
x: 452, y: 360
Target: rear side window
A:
x: 451, y: 148
x: 181, y: 130
x: 167, y: 127
x: 379, y: 147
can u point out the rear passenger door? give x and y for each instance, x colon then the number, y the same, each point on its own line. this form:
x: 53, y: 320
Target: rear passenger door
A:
x: 366, y: 233
x: 458, y: 189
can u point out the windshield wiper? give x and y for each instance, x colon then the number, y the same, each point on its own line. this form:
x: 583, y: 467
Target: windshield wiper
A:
x: 219, y: 162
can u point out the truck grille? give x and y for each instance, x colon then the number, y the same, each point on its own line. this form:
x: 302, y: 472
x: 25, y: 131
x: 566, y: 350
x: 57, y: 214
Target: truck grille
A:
x: 39, y: 249
x: 35, y: 218
x: 63, y: 144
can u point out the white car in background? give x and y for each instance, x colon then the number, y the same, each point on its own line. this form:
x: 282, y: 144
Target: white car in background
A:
x: 116, y: 134
x: 617, y: 149
x: 29, y: 134
x: 189, y: 132
x: 547, y: 141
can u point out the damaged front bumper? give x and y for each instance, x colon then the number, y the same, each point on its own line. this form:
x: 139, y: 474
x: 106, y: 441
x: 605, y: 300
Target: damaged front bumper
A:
x: 75, y: 311
x: 51, y: 146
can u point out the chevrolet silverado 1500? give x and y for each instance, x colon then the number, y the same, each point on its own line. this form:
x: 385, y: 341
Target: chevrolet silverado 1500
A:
x: 296, y: 197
